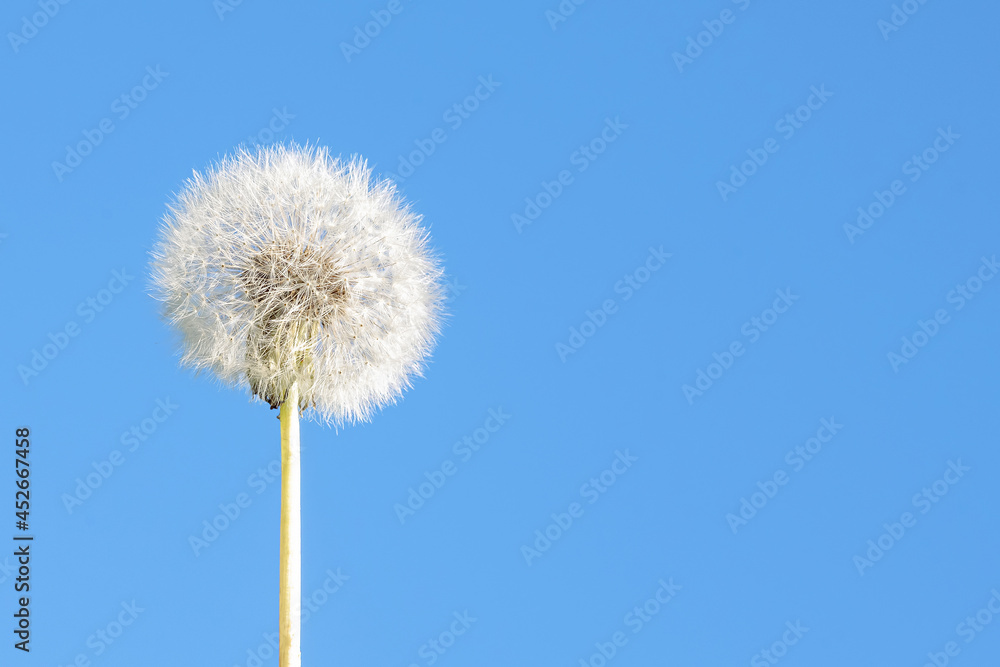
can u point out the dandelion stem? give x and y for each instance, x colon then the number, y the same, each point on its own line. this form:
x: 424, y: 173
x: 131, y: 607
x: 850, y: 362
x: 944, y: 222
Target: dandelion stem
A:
x: 290, y: 593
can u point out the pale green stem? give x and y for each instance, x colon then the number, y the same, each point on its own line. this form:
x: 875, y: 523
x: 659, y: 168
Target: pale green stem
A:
x: 290, y: 611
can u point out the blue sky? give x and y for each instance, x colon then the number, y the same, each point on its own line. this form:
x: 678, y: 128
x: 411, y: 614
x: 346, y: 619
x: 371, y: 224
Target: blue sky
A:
x: 742, y: 415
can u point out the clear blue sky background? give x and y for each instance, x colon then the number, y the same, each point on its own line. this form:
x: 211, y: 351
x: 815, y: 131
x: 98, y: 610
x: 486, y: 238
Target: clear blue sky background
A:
x: 517, y: 294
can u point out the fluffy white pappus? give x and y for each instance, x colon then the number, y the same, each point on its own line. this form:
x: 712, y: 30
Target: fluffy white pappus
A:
x: 283, y: 264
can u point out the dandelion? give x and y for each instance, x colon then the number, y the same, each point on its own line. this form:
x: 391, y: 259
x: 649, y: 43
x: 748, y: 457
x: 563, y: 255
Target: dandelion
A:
x: 302, y: 279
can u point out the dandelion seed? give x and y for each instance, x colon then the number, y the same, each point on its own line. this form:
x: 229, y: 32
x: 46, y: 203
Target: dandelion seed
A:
x: 311, y: 267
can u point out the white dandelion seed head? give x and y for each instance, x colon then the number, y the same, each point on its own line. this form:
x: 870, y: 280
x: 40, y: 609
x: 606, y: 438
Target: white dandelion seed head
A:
x: 284, y: 265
